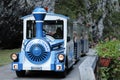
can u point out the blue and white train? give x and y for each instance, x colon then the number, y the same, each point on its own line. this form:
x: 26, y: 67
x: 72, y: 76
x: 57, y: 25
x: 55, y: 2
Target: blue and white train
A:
x: 47, y: 44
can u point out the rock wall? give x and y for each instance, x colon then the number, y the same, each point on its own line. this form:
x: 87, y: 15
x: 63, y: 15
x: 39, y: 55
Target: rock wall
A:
x: 10, y: 23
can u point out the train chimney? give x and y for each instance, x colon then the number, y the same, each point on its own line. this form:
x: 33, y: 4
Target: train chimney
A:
x: 39, y: 14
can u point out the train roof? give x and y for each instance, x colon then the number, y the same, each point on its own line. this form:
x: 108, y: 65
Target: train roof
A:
x: 49, y: 16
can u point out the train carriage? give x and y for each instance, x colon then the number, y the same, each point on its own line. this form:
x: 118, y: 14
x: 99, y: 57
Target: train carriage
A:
x: 80, y: 38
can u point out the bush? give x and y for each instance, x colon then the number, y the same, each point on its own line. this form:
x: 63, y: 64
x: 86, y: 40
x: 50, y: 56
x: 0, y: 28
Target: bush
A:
x: 109, y: 49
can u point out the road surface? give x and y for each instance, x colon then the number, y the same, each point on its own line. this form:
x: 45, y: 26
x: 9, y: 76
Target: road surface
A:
x: 73, y: 74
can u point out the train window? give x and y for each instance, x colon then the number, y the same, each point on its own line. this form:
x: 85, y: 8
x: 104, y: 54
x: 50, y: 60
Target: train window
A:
x: 54, y: 28
x: 69, y: 31
x: 30, y: 29
x: 77, y: 30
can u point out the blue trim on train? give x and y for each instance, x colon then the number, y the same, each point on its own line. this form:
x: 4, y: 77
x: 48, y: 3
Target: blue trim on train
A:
x: 57, y: 42
x: 39, y: 13
x: 20, y: 66
x: 37, y: 51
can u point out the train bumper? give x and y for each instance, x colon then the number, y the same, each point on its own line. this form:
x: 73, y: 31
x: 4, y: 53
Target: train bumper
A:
x: 54, y: 67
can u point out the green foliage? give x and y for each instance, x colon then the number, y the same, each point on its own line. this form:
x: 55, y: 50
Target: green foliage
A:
x: 112, y: 72
x: 112, y: 25
x: 93, y: 1
x: 103, y: 73
x: 109, y: 49
x: 70, y: 8
x: 97, y: 14
x: 115, y: 18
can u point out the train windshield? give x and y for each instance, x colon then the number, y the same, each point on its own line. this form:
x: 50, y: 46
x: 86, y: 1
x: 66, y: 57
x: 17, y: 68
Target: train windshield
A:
x: 53, y: 28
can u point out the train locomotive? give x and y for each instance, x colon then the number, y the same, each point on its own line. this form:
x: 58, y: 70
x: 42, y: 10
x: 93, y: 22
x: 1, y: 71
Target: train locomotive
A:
x: 43, y: 48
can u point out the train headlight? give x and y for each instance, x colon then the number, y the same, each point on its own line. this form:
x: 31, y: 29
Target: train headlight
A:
x: 14, y: 56
x: 61, y: 57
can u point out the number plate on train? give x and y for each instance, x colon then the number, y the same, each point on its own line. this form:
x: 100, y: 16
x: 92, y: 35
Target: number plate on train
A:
x: 36, y: 68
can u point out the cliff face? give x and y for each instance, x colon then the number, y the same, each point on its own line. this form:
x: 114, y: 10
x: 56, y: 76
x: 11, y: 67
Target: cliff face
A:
x: 101, y: 15
x: 98, y: 15
x: 10, y: 23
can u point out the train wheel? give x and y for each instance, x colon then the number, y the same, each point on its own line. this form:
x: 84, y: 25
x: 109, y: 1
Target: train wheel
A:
x: 66, y: 64
x: 20, y: 73
x: 63, y: 74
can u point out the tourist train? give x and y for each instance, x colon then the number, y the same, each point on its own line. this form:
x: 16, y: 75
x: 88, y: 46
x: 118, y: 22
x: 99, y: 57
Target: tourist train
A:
x: 51, y: 42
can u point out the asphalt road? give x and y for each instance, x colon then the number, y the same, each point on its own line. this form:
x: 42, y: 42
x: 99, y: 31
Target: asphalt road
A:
x: 73, y: 74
